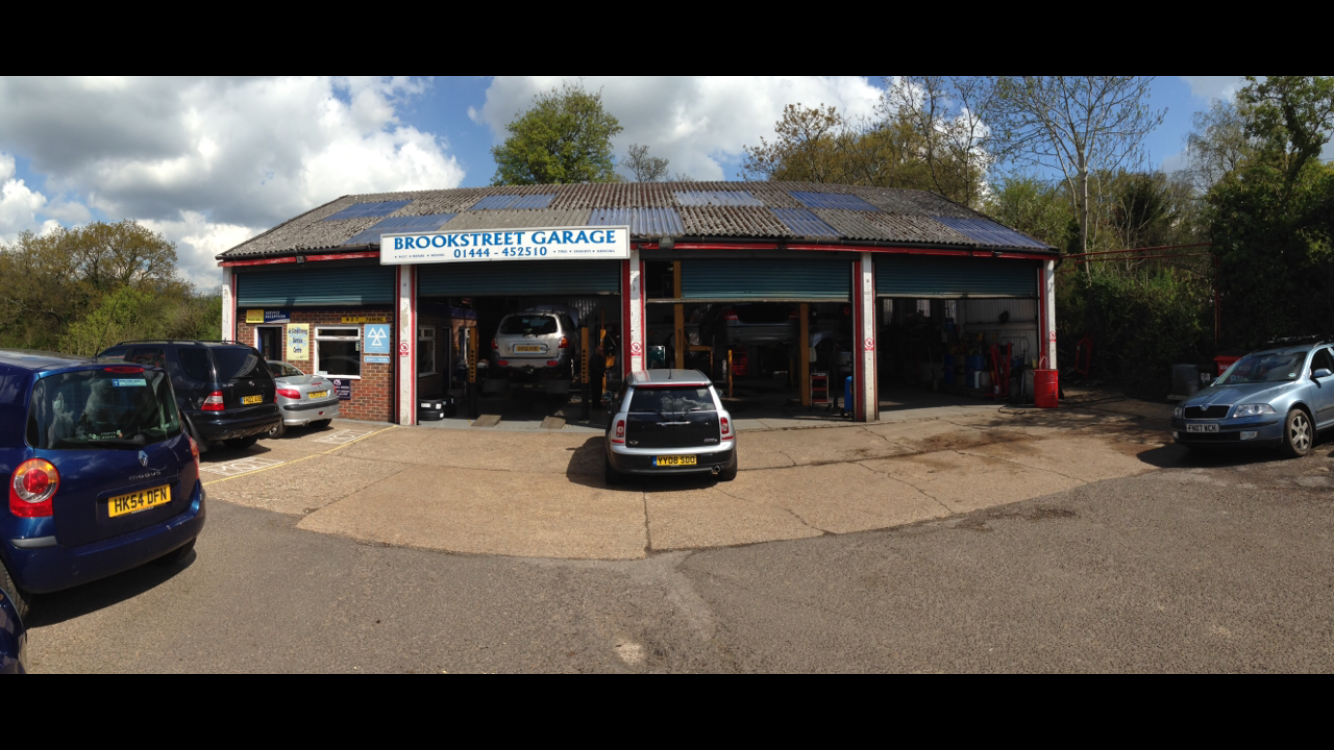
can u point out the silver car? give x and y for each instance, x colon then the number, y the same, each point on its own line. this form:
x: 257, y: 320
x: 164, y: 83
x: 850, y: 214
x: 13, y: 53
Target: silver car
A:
x: 303, y: 399
x: 537, y: 342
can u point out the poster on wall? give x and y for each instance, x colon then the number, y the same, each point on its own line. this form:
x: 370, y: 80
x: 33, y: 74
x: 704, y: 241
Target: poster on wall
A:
x: 344, y: 389
x: 298, y: 342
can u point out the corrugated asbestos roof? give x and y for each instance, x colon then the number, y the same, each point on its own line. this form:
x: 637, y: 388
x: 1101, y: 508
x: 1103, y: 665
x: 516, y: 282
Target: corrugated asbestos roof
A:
x: 735, y: 211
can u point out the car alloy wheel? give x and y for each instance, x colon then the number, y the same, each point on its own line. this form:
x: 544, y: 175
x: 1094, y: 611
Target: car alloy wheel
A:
x: 1300, y: 435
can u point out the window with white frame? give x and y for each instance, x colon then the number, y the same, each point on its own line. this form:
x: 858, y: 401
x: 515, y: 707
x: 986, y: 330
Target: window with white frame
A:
x: 338, y: 352
x: 426, y: 352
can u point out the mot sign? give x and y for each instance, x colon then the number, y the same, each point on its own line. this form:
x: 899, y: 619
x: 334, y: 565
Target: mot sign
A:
x: 511, y: 245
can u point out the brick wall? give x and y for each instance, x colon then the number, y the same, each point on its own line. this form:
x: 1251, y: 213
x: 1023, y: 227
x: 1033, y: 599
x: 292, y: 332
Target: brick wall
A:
x: 372, y: 395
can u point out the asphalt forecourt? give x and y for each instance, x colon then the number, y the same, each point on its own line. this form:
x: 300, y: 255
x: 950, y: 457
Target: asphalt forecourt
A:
x: 541, y: 494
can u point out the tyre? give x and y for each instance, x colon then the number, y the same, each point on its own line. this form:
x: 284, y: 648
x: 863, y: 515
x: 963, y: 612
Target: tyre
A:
x: 240, y: 444
x: 323, y: 424
x: 729, y: 474
x: 611, y: 476
x: 1298, y: 435
x: 11, y: 591
x: 277, y: 432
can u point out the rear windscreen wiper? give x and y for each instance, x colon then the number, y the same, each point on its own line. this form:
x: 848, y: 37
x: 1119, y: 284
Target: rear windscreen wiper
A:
x: 137, y: 442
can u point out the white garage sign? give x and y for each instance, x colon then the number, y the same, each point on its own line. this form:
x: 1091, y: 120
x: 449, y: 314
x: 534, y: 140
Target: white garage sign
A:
x: 565, y: 243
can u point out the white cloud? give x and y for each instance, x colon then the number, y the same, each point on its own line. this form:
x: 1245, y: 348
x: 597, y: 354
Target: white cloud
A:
x: 698, y: 122
x: 19, y: 205
x: 206, y: 159
x: 1215, y: 87
x: 198, y: 242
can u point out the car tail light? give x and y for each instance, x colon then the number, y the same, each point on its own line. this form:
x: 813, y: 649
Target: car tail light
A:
x: 502, y: 363
x: 214, y: 402
x: 495, y: 344
x: 553, y: 363
x: 727, y: 429
x: 125, y: 370
x: 731, y: 317
x: 32, y: 488
x: 194, y: 451
x: 564, y: 342
x: 289, y: 393
x: 620, y: 432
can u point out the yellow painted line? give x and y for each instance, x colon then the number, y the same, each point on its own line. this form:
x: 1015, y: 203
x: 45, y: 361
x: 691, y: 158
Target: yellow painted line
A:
x: 303, y: 458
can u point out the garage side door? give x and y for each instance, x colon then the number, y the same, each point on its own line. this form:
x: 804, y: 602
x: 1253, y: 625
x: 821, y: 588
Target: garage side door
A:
x: 766, y: 280
x: 500, y: 279
x: 314, y: 286
x: 929, y: 276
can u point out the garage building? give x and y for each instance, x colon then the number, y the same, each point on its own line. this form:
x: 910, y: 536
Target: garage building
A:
x: 907, y: 286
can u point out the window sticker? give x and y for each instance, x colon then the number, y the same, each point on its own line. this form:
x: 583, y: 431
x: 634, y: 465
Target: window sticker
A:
x: 131, y: 383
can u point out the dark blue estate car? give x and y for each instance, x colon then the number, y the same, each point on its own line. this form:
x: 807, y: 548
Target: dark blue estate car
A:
x: 100, y: 476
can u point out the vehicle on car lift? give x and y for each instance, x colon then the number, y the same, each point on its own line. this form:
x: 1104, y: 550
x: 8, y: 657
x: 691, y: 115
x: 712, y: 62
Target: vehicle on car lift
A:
x: 537, y: 349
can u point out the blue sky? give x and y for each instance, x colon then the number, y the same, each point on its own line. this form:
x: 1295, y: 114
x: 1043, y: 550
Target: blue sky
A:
x: 211, y: 161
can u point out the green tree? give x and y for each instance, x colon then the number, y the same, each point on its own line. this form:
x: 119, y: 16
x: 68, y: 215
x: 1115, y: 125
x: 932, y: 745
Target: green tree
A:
x: 1271, y: 217
x: 566, y: 137
x: 824, y: 145
x: 75, y: 289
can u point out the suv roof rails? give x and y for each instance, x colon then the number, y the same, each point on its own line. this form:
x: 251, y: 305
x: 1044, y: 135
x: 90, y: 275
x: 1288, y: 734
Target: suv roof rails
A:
x: 1297, y: 341
x: 182, y: 341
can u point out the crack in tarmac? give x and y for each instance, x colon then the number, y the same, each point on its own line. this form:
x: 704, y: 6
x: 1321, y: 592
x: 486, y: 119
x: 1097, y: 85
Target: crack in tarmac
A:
x: 1081, y: 482
x: 789, y: 511
x: 911, y: 486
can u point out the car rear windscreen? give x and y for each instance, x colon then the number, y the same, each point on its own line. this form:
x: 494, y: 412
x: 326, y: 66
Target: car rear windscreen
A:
x: 671, y: 400
x: 529, y: 325
x: 238, y: 364
x: 115, y: 408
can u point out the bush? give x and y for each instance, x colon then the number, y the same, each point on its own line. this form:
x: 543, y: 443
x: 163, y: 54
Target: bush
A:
x: 1142, y: 323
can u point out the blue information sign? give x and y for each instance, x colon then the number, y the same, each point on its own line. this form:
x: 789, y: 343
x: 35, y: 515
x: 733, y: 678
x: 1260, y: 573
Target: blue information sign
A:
x: 377, y: 339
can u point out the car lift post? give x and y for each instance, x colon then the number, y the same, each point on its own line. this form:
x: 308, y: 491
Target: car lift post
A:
x: 471, y: 395
x: 585, y: 377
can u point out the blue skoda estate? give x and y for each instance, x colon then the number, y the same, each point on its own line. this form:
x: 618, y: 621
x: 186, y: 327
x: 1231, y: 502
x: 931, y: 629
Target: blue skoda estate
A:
x: 1281, y: 397
x: 100, y: 476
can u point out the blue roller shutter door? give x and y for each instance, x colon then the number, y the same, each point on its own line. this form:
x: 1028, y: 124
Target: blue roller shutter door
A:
x: 769, y: 280
x: 523, y: 278
x: 929, y: 276
x: 314, y: 286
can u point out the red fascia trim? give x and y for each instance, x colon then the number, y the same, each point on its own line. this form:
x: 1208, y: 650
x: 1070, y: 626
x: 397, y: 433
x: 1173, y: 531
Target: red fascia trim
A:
x: 292, y: 260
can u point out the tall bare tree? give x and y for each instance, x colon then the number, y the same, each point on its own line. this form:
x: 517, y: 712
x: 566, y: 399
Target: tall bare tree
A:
x: 950, y: 114
x: 1078, y: 125
x: 645, y: 168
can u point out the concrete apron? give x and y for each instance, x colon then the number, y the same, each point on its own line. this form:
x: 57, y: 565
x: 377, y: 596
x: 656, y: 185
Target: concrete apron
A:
x: 542, y: 494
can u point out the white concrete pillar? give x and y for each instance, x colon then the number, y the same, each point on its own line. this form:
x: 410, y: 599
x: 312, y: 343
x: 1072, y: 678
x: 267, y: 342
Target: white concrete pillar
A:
x: 228, y: 305
x: 406, y: 369
x: 866, y: 380
x: 634, y: 337
x: 1047, y: 276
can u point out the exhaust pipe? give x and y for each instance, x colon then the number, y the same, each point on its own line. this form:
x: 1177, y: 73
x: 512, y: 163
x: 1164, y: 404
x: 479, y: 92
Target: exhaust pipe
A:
x: 717, y: 470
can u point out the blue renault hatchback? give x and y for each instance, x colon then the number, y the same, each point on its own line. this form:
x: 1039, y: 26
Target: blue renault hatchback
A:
x: 1280, y: 397
x: 101, y: 477
x: 13, y: 639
